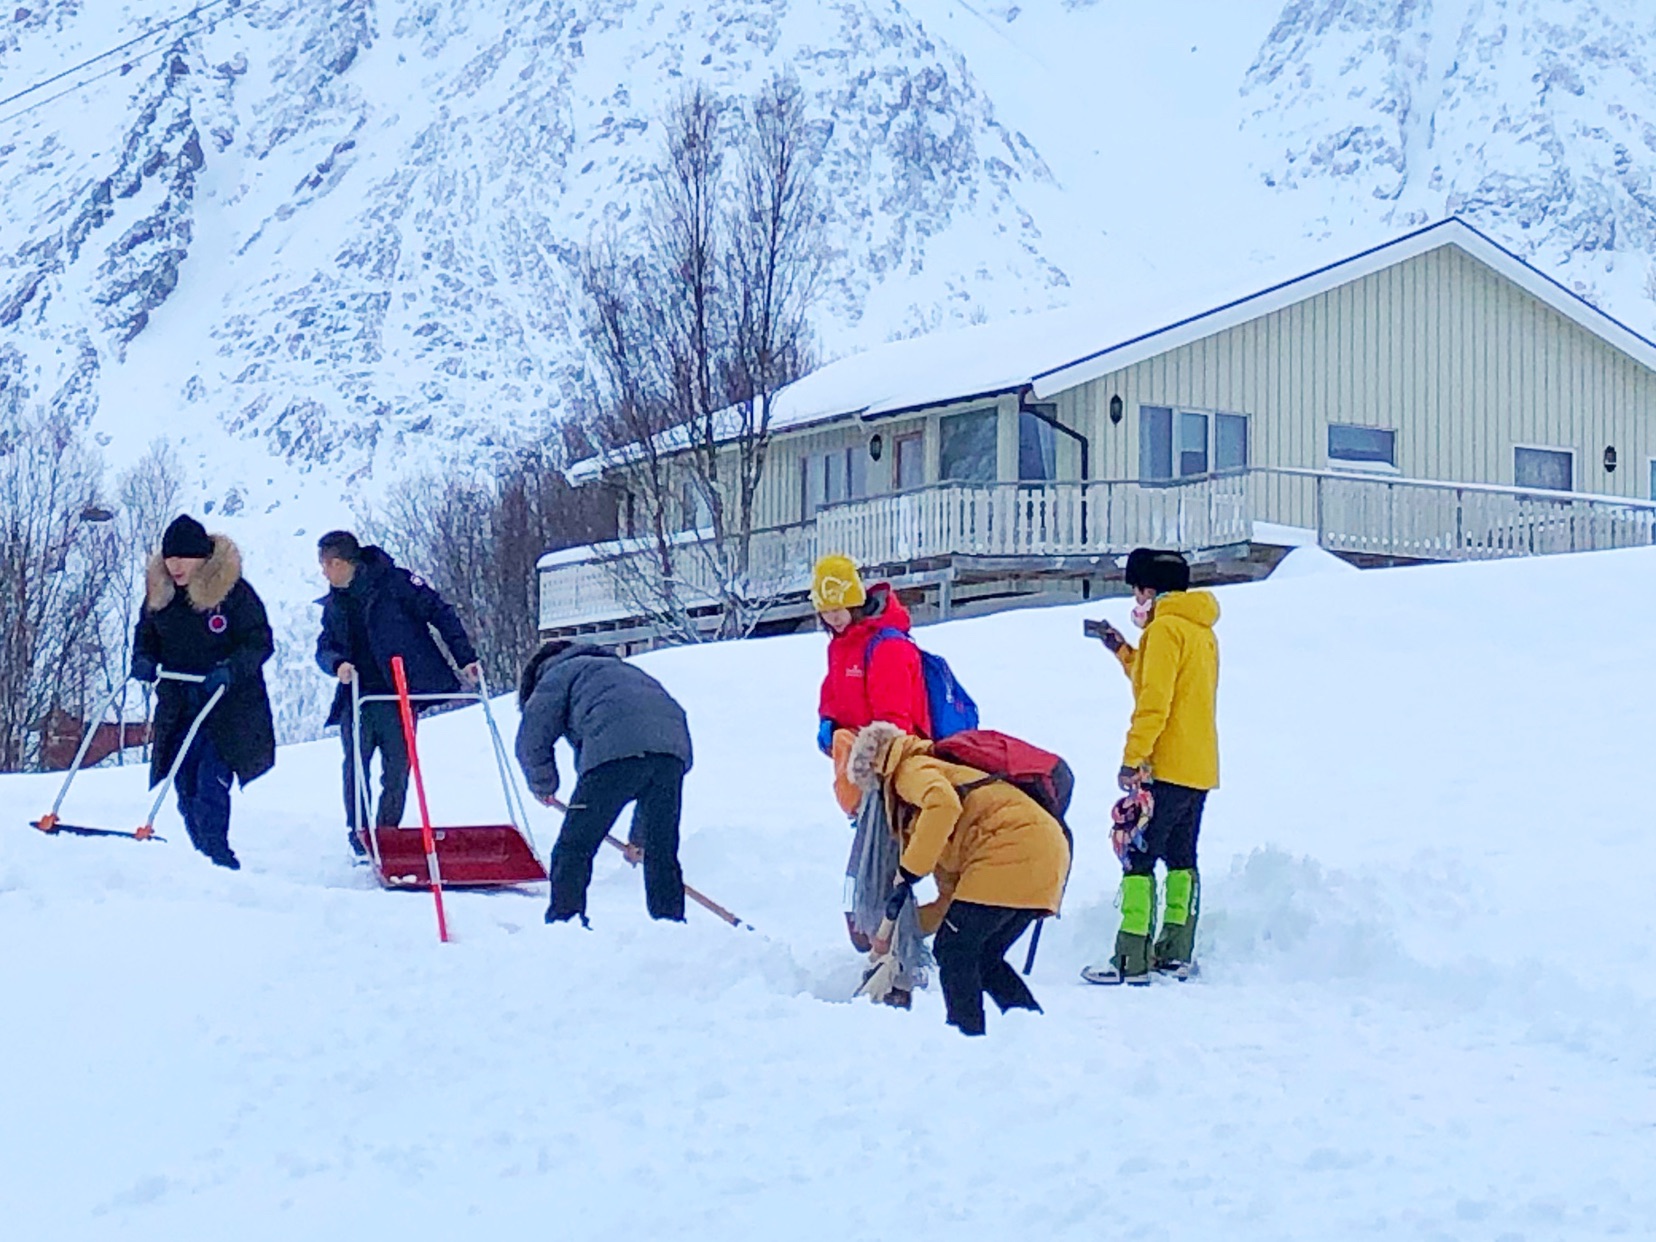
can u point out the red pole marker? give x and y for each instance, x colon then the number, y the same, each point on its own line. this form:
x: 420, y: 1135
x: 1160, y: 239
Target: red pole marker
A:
x: 406, y: 707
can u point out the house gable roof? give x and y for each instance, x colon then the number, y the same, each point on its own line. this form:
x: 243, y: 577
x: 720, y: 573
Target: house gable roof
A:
x: 1054, y: 351
x: 1451, y: 232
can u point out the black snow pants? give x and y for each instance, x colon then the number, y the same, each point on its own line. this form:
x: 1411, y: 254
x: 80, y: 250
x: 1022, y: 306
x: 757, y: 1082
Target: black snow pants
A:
x: 970, y: 948
x: 1172, y: 832
x: 381, y: 731
x: 656, y: 784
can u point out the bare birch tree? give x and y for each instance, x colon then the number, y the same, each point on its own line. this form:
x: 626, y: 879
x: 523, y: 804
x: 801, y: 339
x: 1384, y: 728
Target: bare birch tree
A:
x: 56, y: 557
x: 694, y: 328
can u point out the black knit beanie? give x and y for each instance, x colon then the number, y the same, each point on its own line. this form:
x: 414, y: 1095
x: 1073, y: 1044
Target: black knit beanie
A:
x: 186, y: 537
x: 1159, y: 571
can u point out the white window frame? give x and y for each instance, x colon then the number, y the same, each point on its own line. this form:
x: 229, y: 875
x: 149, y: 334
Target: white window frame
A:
x: 1575, y: 477
x: 1212, y: 414
x: 1360, y: 467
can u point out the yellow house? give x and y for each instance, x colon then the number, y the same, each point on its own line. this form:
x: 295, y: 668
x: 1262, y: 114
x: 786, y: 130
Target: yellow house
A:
x: 1434, y: 397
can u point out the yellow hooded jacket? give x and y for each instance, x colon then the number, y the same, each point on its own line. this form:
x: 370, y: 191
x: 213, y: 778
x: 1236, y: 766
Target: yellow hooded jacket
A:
x: 1175, y: 675
x: 995, y: 846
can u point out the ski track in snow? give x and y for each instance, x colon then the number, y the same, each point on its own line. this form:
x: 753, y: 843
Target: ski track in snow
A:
x: 1427, y: 1009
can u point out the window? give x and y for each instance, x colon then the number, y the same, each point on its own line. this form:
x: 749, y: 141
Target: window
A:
x: 1230, y: 441
x: 967, y: 450
x: 831, y: 478
x: 1185, y: 444
x: 1193, y: 444
x: 1361, y: 446
x: 1155, y: 442
x: 1551, y: 469
x: 909, y: 470
x: 1037, y: 447
x: 1653, y: 478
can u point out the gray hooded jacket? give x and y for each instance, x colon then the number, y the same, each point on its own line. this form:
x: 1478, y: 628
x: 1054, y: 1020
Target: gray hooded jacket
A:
x: 607, y: 708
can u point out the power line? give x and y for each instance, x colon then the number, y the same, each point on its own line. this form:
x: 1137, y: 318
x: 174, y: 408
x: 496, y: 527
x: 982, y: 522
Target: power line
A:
x: 151, y: 33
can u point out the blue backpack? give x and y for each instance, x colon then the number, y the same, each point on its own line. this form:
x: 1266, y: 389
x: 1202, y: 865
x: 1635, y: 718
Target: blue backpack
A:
x: 950, y: 707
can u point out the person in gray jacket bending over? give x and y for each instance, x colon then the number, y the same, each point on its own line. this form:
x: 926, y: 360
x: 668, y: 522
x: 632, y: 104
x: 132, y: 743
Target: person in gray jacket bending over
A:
x: 631, y: 744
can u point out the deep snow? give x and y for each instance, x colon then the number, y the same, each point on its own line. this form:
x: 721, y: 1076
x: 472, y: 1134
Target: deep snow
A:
x: 1429, y: 1006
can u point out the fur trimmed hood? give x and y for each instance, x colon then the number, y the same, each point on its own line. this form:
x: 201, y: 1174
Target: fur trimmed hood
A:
x: 866, y: 763
x: 211, y: 585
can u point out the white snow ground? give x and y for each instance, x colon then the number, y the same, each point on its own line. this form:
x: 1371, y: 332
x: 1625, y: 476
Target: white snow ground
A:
x: 1429, y: 1007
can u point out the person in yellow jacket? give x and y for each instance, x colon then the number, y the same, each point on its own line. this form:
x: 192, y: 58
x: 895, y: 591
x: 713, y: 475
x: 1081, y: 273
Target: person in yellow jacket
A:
x: 1172, y: 751
x: 1000, y: 862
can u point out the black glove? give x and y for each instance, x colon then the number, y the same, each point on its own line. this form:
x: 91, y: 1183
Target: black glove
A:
x: 143, y: 669
x: 1112, y: 638
x: 900, y: 894
x: 218, y: 679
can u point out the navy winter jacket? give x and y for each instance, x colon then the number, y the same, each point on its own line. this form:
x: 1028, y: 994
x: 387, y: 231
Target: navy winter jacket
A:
x: 400, y: 609
x: 607, y: 708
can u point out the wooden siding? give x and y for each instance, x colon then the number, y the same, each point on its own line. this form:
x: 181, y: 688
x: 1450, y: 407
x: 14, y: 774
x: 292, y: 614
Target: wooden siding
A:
x: 1461, y: 363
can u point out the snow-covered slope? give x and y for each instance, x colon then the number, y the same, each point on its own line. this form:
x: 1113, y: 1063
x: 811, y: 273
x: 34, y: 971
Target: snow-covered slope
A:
x: 1428, y: 1006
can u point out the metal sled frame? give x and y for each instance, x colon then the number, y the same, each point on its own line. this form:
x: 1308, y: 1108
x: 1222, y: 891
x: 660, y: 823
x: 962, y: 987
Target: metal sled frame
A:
x: 472, y: 856
x: 49, y: 822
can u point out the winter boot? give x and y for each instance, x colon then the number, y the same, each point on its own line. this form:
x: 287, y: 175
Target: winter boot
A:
x: 1130, y: 963
x: 1175, y: 951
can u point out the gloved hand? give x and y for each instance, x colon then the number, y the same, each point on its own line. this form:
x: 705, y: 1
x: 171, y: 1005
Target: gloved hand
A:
x: 218, y: 679
x: 1129, y: 778
x: 825, y: 736
x: 1111, y: 637
x: 143, y: 669
x: 900, y: 894
x: 880, y: 977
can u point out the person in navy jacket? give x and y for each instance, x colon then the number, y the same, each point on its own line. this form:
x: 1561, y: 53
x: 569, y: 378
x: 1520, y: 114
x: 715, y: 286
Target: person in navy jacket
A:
x: 376, y: 610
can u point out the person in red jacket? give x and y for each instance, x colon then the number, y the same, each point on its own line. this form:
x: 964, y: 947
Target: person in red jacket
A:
x: 872, y: 674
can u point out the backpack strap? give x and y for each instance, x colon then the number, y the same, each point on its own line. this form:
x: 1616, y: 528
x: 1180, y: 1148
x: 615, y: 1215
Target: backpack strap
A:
x: 973, y: 786
x: 879, y: 637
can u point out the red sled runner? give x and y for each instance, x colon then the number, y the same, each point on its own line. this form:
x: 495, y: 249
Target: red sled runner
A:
x: 437, y: 857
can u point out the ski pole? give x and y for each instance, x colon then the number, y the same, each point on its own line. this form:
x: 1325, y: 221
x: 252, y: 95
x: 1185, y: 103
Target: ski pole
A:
x: 400, y: 676
x: 706, y: 903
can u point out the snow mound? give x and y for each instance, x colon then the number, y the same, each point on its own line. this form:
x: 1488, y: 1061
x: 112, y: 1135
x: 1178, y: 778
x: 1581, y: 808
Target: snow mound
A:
x: 1311, y: 561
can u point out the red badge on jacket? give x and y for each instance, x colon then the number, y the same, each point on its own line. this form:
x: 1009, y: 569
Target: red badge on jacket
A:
x: 218, y: 623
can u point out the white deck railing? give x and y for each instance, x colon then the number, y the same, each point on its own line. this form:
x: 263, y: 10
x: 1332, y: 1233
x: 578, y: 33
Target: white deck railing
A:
x: 1426, y: 520
x: 1372, y: 514
x: 1002, y: 520
x: 1037, y: 520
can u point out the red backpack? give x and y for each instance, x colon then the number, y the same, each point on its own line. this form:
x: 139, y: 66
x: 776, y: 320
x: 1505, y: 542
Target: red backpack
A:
x: 1001, y: 757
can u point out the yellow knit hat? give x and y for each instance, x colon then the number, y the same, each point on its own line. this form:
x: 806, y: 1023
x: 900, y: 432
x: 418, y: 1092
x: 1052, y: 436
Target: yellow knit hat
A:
x: 835, y: 584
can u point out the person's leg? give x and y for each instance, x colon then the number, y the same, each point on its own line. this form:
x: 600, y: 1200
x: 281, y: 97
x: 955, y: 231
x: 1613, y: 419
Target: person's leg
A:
x: 185, y: 784
x: 207, y: 808
x: 353, y: 796
x: 655, y: 827
x: 958, y: 948
x: 393, y: 753
x: 593, y: 810
x: 1176, y: 946
x: 1001, y: 980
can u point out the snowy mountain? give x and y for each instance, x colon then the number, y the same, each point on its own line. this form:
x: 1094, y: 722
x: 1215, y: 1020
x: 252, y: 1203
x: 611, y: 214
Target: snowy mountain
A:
x: 1535, y: 118
x: 322, y: 243
x: 1427, y: 1007
x: 342, y: 231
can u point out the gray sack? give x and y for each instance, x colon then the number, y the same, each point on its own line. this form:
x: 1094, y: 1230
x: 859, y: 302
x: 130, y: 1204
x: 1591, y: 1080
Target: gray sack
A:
x: 871, y: 870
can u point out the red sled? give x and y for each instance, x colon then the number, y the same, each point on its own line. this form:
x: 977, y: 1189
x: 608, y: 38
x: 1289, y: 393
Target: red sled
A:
x: 481, y: 856
x: 470, y: 856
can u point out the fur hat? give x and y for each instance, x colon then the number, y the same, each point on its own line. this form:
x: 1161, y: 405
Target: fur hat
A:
x: 1157, y: 571
x: 187, y: 537
x: 868, y: 754
x: 835, y: 583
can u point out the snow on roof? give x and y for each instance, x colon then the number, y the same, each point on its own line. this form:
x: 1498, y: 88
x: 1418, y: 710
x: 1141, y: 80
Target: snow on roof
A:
x: 1053, y: 351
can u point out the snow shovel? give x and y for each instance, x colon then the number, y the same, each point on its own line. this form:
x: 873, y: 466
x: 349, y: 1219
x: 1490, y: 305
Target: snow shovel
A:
x: 50, y: 822
x: 468, y: 856
x: 634, y: 855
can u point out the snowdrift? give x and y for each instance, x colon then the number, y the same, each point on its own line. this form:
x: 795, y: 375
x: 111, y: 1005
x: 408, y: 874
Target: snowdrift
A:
x: 1429, y: 1007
